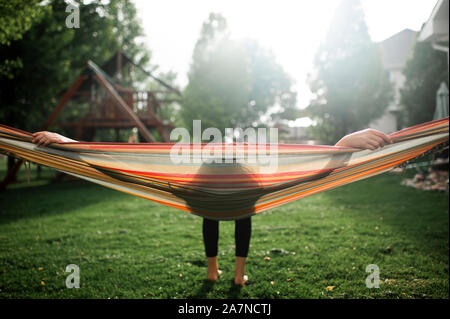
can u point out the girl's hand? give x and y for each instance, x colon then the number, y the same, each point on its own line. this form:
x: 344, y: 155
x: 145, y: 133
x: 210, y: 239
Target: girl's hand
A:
x: 365, y: 139
x: 45, y: 138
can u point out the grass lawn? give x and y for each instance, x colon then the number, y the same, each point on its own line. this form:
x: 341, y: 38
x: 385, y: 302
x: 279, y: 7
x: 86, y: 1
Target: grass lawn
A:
x: 127, y: 247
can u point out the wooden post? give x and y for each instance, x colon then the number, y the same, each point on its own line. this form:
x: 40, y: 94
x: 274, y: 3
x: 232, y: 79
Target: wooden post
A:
x: 119, y: 65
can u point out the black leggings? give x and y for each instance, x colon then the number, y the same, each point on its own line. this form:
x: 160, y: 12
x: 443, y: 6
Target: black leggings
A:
x: 242, y: 233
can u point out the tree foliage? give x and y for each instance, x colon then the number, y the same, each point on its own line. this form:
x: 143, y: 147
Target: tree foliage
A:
x: 349, y: 82
x: 17, y: 17
x: 424, y: 72
x: 232, y: 83
x: 52, y: 55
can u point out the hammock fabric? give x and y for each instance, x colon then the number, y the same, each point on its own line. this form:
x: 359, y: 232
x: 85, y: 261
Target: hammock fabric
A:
x: 224, y: 191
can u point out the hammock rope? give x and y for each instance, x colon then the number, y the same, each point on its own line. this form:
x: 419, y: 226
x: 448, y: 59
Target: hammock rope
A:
x: 230, y: 190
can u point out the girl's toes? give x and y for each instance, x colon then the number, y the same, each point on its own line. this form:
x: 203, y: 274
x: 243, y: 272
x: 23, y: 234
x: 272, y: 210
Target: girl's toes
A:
x: 241, y: 280
x: 214, y: 276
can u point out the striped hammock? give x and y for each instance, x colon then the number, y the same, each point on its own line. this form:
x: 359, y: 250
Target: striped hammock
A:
x: 232, y: 189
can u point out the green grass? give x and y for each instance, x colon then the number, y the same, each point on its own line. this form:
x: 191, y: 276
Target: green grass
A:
x: 127, y: 247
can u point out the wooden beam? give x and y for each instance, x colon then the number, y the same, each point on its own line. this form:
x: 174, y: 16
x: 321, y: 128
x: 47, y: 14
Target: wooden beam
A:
x: 66, y: 97
x: 167, y: 86
x: 12, y: 173
x: 121, y: 103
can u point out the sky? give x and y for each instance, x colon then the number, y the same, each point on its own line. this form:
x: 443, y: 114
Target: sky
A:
x: 292, y: 29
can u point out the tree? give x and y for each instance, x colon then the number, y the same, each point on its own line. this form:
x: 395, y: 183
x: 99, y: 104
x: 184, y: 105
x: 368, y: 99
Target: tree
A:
x: 40, y: 56
x: 349, y: 82
x: 52, y: 55
x: 232, y: 83
x: 17, y: 17
x: 424, y: 72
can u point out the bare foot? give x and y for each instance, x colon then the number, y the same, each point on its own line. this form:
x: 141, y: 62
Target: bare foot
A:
x: 239, y: 271
x: 213, y: 269
x: 240, y: 280
x: 214, y: 275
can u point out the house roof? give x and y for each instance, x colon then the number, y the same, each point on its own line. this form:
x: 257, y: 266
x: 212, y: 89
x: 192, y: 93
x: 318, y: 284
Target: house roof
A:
x: 396, y: 49
x: 436, y: 27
